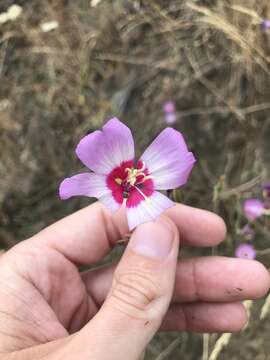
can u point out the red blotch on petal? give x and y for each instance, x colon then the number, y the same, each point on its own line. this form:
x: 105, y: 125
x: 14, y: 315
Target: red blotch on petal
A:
x: 118, y: 173
x: 134, y: 197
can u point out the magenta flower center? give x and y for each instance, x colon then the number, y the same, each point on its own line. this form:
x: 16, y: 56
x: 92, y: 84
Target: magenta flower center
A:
x: 131, y: 182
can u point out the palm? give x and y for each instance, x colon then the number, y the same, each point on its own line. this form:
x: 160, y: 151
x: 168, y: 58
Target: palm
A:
x: 49, y: 292
x: 65, y: 289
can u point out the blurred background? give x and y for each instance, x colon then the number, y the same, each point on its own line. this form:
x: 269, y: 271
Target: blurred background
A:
x: 202, y: 67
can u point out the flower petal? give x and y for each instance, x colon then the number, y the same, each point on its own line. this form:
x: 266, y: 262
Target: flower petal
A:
x: 103, y: 150
x: 147, y: 211
x: 87, y: 184
x: 168, y: 160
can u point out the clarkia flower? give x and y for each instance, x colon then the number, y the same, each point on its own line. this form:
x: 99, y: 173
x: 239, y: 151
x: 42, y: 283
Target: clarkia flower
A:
x: 265, y: 24
x: 253, y: 208
x: 266, y: 196
x: 169, y: 107
x: 266, y: 190
x: 247, y: 231
x: 245, y: 251
x: 169, y: 112
x: 170, y: 118
x: 116, y: 177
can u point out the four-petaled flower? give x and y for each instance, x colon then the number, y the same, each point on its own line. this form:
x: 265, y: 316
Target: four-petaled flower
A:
x: 117, y: 178
x: 245, y: 251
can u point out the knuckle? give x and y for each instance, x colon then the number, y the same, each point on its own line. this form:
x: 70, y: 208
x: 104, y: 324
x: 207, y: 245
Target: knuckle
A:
x: 133, y: 293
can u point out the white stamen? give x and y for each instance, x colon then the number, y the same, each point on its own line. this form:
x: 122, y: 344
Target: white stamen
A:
x: 148, y: 177
x: 147, y: 199
x: 143, y: 166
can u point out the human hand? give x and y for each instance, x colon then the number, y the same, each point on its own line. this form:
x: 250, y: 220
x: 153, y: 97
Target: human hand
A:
x: 50, y: 311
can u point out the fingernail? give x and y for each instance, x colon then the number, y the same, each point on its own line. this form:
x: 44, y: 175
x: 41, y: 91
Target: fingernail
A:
x: 153, y: 240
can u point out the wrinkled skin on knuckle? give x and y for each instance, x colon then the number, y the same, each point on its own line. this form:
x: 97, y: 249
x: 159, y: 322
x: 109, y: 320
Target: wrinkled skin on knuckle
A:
x: 134, y: 293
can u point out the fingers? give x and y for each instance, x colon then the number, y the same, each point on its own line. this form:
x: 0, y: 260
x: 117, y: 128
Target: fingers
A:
x: 89, y: 234
x: 197, y: 227
x: 220, y: 279
x: 139, y: 297
x: 210, y: 279
x: 206, y: 317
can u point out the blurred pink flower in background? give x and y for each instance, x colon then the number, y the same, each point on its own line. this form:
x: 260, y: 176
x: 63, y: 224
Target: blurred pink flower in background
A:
x: 266, y: 195
x: 265, y: 24
x: 245, y: 251
x: 266, y: 190
x: 253, y: 208
x: 247, y: 231
x: 170, y: 115
x: 116, y: 177
x: 169, y: 107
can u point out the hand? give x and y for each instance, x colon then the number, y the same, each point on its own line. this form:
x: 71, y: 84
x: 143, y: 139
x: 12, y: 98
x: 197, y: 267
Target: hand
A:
x: 50, y: 311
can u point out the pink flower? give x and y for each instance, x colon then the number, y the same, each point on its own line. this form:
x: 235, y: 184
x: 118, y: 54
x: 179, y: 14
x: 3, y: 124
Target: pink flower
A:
x: 169, y: 107
x: 245, y: 251
x: 266, y: 190
x: 265, y: 24
x: 253, y: 208
x: 266, y: 196
x: 117, y: 178
x: 170, y: 118
x: 170, y: 115
x: 247, y: 231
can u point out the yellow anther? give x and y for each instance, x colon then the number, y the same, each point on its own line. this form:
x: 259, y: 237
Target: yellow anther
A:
x: 118, y: 181
x: 133, y: 174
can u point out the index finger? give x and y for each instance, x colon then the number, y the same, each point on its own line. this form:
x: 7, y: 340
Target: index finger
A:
x: 89, y: 234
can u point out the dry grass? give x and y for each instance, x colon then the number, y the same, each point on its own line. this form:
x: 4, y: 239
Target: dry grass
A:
x: 126, y: 58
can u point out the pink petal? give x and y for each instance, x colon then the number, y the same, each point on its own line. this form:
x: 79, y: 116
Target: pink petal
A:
x: 253, y: 208
x: 103, y: 150
x: 87, y: 184
x: 148, y: 211
x: 168, y: 160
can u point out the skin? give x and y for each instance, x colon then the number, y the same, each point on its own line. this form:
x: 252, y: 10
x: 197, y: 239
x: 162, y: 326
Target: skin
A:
x: 50, y: 311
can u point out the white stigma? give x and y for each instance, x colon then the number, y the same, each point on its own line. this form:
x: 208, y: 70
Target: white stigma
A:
x: 147, y: 199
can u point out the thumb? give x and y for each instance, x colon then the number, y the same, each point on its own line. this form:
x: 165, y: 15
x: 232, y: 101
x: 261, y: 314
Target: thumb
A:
x: 140, y: 295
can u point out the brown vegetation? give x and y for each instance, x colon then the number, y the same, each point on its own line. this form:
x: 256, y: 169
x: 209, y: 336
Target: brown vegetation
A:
x: 126, y: 58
